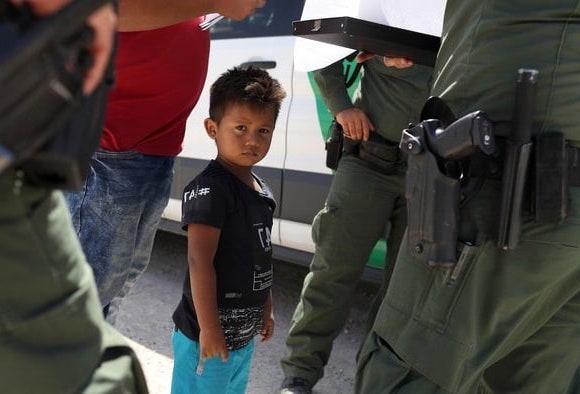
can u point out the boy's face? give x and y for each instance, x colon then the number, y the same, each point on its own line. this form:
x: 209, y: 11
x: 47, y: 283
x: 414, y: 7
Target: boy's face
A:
x: 244, y: 134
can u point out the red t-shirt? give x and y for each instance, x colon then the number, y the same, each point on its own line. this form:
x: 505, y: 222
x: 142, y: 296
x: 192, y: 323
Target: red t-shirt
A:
x: 159, y: 77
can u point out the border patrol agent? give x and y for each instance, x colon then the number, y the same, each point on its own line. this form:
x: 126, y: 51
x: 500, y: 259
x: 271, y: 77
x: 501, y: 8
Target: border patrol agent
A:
x: 503, y: 320
x: 365, y: 203
x: 53, y: 336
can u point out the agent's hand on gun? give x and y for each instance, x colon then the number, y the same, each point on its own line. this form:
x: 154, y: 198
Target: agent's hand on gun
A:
x: 103, y: 22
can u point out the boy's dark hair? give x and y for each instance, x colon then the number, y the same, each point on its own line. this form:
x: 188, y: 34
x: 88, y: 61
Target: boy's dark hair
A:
x: 253, y: 86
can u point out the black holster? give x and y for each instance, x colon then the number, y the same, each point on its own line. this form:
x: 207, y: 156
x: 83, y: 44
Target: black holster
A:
x: 438, y: 159
x: 433, y: 211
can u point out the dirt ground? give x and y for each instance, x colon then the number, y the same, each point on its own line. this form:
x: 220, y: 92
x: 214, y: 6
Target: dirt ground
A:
x: 145, y: 319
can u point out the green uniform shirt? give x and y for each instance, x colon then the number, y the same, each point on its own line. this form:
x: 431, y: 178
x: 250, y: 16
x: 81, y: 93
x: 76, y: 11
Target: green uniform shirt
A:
x: 548, y: 41
x: 392, y: 98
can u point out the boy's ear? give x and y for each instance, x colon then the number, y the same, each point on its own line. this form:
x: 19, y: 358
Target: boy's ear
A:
x: 210, y: 127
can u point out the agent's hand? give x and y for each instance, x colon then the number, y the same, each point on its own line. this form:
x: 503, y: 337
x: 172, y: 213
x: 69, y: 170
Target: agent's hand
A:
x: 238, y: 9
x: 212, y: 343
x: 355, y: 124
x: 397, y: 62
x: 104, y: 23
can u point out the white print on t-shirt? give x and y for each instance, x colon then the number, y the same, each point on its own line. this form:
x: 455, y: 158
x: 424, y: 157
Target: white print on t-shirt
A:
x: 264, y: 236
x: 262, y: 280
x: 191, y: 194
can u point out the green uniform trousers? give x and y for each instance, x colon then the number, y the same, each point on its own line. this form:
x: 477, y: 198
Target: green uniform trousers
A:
x: 53, y: 338
x: 504, y: 322
x: 360, y: 204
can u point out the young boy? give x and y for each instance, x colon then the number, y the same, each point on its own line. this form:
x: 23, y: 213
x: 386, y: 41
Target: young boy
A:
x: 227, y: 211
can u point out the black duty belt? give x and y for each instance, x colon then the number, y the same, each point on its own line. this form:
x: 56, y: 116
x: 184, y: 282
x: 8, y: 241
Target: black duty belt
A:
x: 553, y: 169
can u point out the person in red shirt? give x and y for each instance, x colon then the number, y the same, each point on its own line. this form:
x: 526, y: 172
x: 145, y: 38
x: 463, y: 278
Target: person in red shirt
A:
x: 161, y: 66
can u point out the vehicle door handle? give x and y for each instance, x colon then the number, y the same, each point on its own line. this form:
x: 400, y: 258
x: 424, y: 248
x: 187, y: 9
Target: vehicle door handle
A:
x: 265, y: 64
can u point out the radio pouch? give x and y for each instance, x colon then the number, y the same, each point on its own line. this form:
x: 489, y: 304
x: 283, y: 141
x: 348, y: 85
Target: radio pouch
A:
x: 333, y: 145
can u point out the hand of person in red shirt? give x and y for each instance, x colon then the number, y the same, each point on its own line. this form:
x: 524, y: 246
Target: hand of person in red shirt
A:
x: 135, y: 15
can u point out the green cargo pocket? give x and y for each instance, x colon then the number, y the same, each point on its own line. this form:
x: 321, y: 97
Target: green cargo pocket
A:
x: 443, y: 289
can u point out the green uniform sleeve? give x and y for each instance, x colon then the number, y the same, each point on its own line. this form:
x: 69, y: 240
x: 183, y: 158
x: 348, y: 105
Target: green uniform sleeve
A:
x: 332, y: 85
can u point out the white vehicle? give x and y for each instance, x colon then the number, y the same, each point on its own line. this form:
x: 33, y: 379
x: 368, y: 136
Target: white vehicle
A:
x: 295, y: 166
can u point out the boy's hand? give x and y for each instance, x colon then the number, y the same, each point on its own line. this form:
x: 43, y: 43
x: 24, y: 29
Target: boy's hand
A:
x: 212, y: 343
x: 267, y: 330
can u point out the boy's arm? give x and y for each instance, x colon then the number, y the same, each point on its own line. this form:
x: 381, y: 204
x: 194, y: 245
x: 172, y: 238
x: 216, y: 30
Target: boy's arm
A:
x: 135, y: 15
x: 268, y: 329
x: 202, y: 242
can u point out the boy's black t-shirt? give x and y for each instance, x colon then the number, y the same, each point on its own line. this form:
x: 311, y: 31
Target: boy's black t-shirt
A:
x: 243, y: 260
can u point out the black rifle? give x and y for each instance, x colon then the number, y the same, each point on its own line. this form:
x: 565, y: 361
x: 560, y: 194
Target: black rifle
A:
x: 517, y: 156
x: 47, y: 126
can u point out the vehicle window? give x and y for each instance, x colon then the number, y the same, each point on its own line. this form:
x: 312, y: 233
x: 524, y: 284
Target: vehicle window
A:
x: 274, y: 19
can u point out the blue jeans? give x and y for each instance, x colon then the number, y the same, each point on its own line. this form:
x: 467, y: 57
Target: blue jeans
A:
x: 116, y: 217
x: 214, y: 376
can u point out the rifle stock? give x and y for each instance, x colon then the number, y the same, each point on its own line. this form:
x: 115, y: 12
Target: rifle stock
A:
x: 42, y: 63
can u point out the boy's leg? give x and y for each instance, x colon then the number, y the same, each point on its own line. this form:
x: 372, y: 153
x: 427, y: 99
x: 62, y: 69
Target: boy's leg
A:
x: 185, y: 364
x: 242, y: 360
x: 213, y: 376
